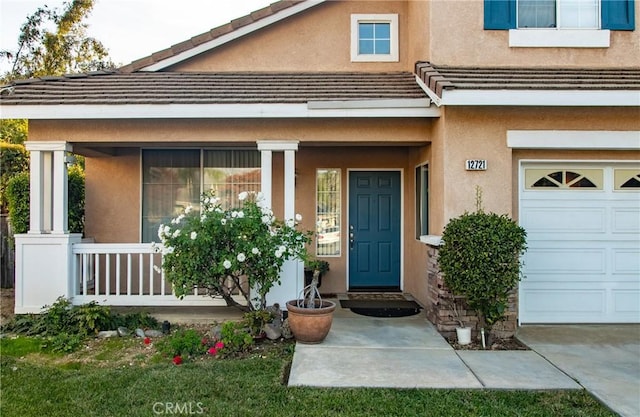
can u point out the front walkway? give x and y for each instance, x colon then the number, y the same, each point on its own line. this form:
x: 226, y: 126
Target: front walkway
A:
x: 409, y: 353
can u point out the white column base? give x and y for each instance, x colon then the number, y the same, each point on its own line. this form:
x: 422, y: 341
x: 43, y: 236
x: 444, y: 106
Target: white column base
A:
x: 44, y: 270
x: 291, y: 284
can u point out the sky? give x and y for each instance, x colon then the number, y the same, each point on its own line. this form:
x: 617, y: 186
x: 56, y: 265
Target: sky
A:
x: 132, y: 29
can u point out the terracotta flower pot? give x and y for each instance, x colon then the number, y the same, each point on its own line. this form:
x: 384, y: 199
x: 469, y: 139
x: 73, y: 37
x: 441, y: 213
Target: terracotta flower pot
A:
x: 310, y: 325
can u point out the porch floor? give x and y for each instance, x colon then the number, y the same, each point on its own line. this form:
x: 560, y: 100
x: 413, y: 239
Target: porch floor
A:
x: 408, y: 352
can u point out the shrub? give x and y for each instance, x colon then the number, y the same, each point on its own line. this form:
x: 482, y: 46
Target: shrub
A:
x: 182, y: 342
x: 14, y: 159
x: 223, y: 251
x: 480, y: 260
x: 236, y: 338
x: 17, y: 194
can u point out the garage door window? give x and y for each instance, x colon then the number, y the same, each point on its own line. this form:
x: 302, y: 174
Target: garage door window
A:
x: 627, y: 179
x: 578, y: 179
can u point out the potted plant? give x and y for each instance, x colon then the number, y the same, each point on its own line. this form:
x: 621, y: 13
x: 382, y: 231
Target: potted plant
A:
x: 462, y: 332
x: 310, y: 317
x: 480, y: 260
x: 310, y: 266
x: 226, y: 252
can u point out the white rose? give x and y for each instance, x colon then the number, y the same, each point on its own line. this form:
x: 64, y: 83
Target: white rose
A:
x: 243, y: 196
x: 223, y: 221
x: 226, y: 264
x: 241, y: 214
x: 194, y: 235
x: 241, y: 257
x: 298, y: 217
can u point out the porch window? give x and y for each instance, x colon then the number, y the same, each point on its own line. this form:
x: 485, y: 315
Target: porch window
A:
x: 328, y: 212
x: 422, y: 200
x: 174, y: 179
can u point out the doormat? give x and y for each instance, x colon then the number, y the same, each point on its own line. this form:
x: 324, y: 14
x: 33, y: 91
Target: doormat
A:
x: 382, y: 307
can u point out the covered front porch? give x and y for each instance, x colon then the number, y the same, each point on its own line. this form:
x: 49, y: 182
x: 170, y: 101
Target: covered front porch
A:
x: 51, y: 262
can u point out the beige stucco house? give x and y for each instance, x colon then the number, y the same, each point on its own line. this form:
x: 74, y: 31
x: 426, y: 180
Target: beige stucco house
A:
x: 375, y: 120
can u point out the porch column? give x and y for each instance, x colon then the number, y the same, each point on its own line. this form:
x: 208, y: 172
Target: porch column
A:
x: 44, y: 256
x: 292, y: 276
x: 48, y: 191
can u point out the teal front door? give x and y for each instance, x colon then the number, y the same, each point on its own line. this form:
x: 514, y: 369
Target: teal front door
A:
x: 374, y: 230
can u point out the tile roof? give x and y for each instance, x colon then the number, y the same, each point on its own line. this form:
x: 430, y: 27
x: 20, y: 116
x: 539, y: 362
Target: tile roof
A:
x: 210, y: 88
x: 214, y: 33
x: 440, y: 78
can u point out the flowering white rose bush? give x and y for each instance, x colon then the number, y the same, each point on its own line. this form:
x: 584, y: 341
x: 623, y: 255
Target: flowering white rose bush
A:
x: 230, y: 251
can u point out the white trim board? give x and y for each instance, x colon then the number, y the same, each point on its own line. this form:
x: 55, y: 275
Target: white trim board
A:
x: 397, y: 108
x: 573, y: 139
x: 547, y: 98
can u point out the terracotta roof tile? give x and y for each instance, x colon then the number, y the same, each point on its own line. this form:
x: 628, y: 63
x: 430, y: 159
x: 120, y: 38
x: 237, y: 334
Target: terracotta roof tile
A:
x: 213, y: 88
x: 441, y: 77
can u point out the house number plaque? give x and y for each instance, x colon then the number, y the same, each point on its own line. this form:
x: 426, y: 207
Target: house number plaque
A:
x: 476, y: 164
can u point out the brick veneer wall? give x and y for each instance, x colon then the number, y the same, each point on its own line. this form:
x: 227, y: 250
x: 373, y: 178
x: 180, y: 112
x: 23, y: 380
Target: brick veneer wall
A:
x: 440, y: 305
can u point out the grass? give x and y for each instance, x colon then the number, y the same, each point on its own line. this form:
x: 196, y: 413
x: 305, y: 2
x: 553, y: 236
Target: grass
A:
x: 35, y: 385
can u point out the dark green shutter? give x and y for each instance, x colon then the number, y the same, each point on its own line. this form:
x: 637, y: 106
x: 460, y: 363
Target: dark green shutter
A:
x: 618, y: 14
x: 499, y: 14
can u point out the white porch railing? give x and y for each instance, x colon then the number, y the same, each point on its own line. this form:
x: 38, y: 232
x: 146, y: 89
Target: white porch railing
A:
x: 120, y: 274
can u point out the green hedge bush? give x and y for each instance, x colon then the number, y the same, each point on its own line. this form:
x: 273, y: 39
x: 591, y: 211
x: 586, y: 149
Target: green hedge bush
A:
x: 18, y: 198
x: 480, y: 260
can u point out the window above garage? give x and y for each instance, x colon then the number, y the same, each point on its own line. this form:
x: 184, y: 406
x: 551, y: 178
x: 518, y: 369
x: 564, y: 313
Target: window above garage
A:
x: 572, y: 179
x: 626, y: 179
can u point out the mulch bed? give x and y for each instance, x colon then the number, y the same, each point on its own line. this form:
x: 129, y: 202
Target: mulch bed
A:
x: 497, y: 344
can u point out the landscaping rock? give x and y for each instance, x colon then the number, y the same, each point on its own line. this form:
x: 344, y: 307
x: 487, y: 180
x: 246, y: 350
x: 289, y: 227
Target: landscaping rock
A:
x: 216, y: 332
x: 107, y: 333
x: 123, y: 332
x: 153, y: 333
x: 286, y: 330
x: 139, y: 332
x: 272, y: 331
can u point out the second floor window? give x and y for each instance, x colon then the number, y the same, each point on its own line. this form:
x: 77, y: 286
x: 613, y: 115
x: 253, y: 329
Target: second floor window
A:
x: 562, y: 14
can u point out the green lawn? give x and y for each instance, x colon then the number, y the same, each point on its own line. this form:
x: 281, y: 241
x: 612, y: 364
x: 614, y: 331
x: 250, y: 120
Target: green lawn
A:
x: 39, y: 385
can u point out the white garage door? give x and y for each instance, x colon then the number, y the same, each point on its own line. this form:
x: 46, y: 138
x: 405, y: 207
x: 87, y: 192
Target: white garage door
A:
x: 583, y: 235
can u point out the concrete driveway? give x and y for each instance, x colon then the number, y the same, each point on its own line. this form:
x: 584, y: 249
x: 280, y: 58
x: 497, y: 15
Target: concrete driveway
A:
x: 605, y: 359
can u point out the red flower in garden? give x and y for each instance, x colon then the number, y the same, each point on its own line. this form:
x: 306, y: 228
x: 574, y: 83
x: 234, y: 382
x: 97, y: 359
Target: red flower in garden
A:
x: 204, y: 341
x: 219, y: 345
x: 177, y: 360
x: 212, y: 351
x: 147, y: 340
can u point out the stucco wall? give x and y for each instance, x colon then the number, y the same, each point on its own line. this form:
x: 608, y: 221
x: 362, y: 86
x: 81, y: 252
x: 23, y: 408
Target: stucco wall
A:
x: 315, y: 40
x: 112, y: 211
x: 481, y: 133
x: 443, y: 32
x: 471, y: 45
x: 199, y: 132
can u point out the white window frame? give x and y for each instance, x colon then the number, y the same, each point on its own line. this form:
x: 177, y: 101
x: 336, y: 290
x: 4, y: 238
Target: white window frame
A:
x: 392, y: 20
x: 560, y: 37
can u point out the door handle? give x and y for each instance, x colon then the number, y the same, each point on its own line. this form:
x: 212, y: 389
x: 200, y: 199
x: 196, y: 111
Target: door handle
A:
x: 351, y: 237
